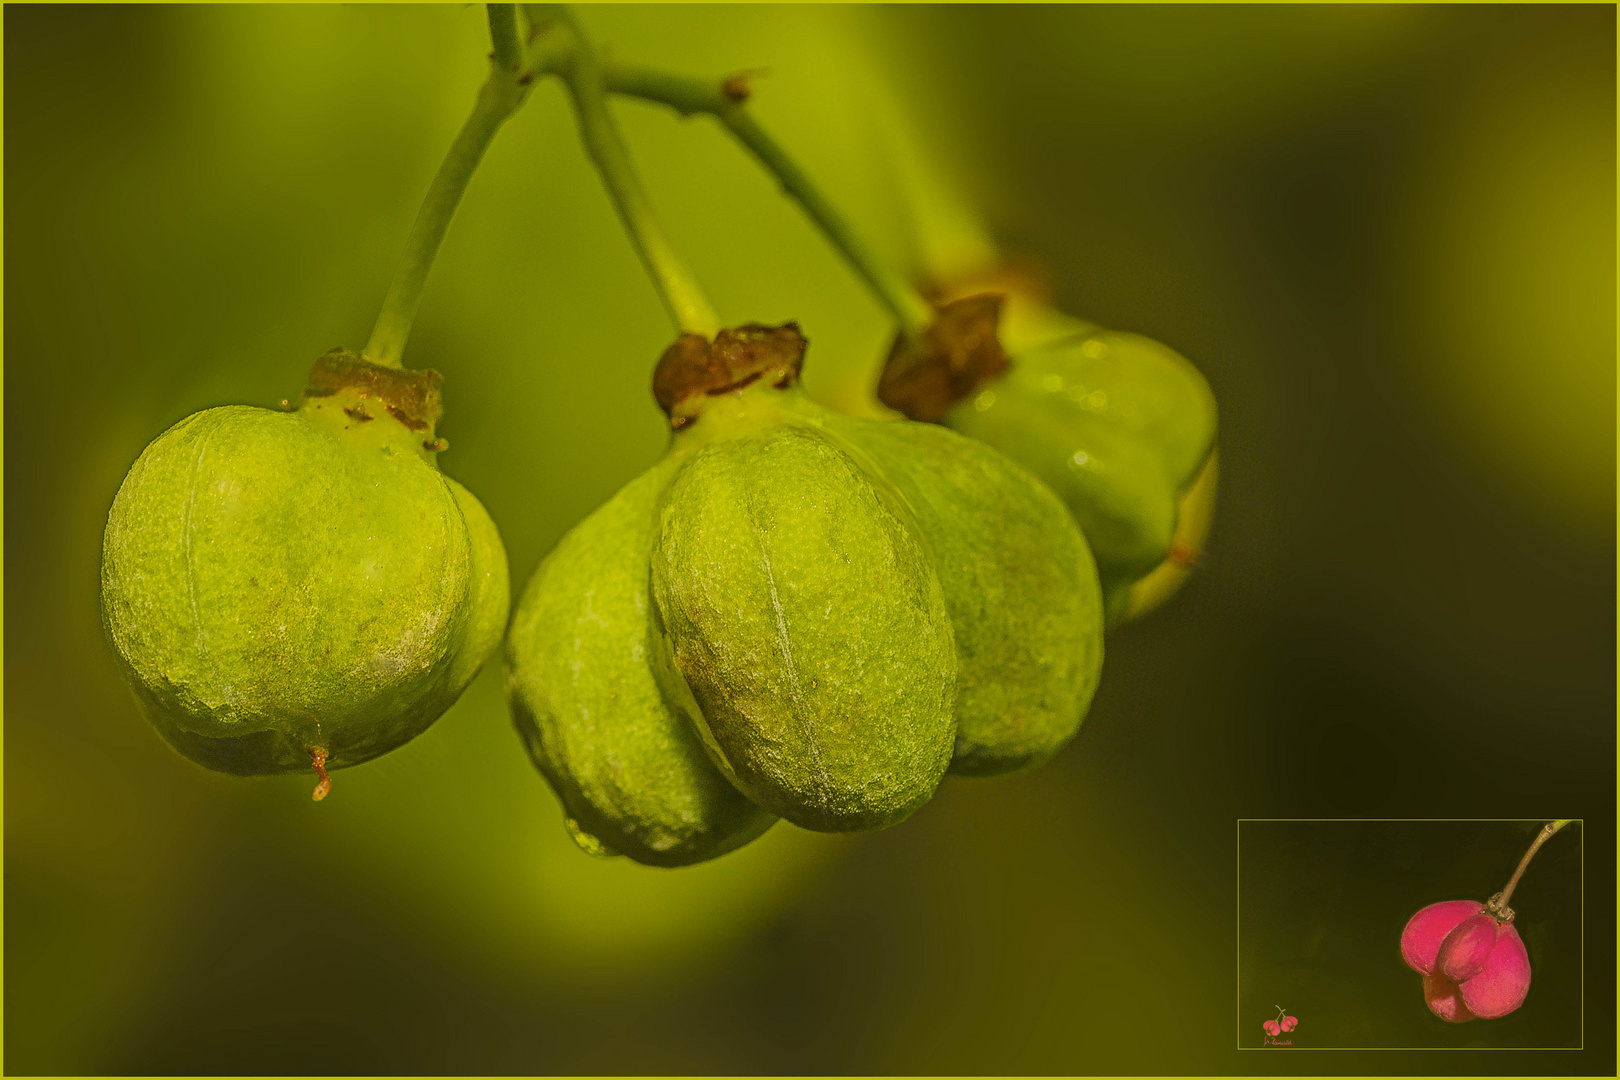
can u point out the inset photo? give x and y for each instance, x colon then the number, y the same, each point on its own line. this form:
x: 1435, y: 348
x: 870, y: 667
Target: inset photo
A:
x: 1410, y: 934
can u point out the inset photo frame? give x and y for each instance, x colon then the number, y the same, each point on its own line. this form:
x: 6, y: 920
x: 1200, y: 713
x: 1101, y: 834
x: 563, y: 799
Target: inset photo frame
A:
x: 1410, y: 934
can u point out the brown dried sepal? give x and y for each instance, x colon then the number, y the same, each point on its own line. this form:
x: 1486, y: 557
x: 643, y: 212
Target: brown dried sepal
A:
x: 694, y: 368
x: 411, y: 397
x: 958, y: 353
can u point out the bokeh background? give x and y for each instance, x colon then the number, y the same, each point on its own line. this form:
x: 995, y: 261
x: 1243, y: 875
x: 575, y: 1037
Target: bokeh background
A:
x: 1386, y: 234
x: 1321, y: 907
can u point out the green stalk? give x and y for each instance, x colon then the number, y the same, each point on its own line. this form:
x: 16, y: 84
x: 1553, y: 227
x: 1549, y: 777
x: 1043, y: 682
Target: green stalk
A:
x: 724, y: 100
x: 577, y: 64
x: 500, y: 96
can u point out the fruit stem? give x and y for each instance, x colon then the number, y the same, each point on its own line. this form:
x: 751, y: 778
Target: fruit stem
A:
x: 501, y: 95
x: 1498, y: 903
x: 725, y: 100
x: 576, y: 62
x: 317, y: 758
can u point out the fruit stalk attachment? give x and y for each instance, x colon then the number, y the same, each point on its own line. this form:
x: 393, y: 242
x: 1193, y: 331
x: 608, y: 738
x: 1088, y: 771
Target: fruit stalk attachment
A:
x: 569, y: 54
x: 1497, y: 905
x: 503, y: 92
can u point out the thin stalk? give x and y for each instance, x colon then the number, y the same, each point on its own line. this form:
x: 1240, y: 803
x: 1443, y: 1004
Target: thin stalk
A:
x: 502, y: 93
x: 724, y: 100
x: 581, y: 72
x: 1500, y: 900
x: 503, y: 36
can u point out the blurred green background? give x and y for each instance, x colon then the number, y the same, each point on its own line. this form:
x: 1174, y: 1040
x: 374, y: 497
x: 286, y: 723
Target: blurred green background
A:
x: 1322, y: 904
x: 1386, y: 234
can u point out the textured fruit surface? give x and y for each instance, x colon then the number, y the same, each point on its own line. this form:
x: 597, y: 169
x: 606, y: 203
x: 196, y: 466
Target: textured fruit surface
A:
x: 1019, y: 583
x: 490, y: 587
x: 633, y: 777
x: 1427, y: 930
x: 1289, y: 1023
x: 272, y: 582
x: 1445, y: 999
x: 804, y: 617
x: 1117, y: 424
x: 1501, y: 985
x: 1464, y: 951
x: 1273, y: 1028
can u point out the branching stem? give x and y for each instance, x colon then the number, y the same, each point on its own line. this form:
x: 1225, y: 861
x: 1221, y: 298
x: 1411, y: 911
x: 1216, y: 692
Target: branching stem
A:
x: 569, y: 54
x: 500, y: 96
x: 725, y: 100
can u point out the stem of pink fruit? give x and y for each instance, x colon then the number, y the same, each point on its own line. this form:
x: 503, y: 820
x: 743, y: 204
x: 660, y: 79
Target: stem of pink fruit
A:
x: 1498, y: 903
x: 503, y: 92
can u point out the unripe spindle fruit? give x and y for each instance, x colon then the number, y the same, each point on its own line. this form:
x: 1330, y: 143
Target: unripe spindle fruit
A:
x: 836, y: 605
x: 294, y: 589
x: 1118, y: 425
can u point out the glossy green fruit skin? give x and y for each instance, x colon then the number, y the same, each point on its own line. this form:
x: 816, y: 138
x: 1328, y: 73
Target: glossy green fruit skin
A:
x: 272, y: 582
x: 1019, y: 582
x: 633, y: 776
x: 1117, y: 425
x: 803, y: 625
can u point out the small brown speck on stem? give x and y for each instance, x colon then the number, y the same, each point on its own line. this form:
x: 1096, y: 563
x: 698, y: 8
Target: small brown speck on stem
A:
x: 317, y: 758
x: 1182, y: 555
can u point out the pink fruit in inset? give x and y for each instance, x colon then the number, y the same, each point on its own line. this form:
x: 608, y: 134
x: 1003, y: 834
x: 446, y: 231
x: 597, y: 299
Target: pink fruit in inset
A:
x: 1289, y: 1023
x: 1427, y: 930
x: 1445, y: 1000
x: 1503, y: 982
x: 1272, y: 1028
x: 1464, y: 952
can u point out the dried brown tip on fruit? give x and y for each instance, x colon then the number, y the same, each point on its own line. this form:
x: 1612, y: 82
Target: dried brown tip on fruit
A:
x: 411, y: 397
x: 694, y: 368
x: 317, y: 758
x: 947, y: 362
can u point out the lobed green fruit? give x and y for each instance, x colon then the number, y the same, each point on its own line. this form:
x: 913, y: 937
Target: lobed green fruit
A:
x: 633, y: 777
x: 798, y: 605
x: 838, y: 608
x: 282, y: 586
x: 1118, y: 425
x: 1019, y: 582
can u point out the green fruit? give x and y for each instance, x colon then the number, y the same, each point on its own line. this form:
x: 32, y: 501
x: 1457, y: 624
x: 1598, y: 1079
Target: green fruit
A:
x: 1019, y: 583
x: 803, y: 612
x: 633, y: 777
x: 837, y: 606
x: 1118, y: 425
x: 289, y: 588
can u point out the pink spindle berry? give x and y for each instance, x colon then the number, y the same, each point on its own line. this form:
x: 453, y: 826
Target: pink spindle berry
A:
x: 1289, y: 1023
x: 1472, y: 964
x: 1501, y: 985
x: 1273, y: 1028
x: 1445, y: 1000
x: 1427, y: 930
x: 1465, y: 950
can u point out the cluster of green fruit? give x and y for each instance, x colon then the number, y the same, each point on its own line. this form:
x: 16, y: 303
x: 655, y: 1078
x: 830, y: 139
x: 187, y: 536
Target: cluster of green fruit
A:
x: 794, y: 614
